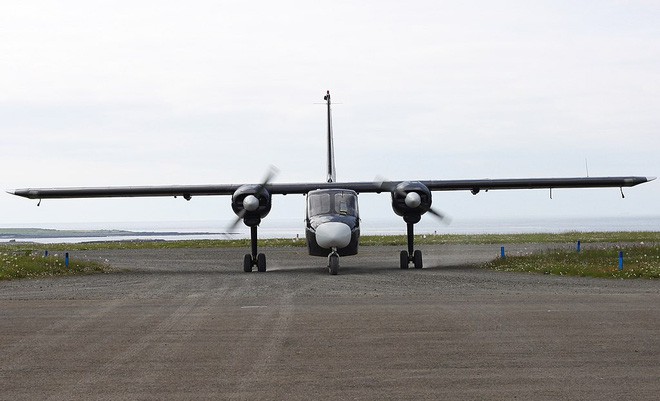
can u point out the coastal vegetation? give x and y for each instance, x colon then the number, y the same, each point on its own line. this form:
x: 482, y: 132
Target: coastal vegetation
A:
x: 16, y: 264
x: 605, y: 261
x: 641, y: 249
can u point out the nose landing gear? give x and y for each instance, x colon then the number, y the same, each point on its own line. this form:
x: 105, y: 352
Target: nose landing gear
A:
x: 333, y: 262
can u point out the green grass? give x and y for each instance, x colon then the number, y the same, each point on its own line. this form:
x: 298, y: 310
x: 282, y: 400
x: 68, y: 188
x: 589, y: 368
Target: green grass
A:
x: 640, y: 261
x: 587, y: 237
x: 152, y: 244
x: 15, y: 265
x: 538, y: 238
x: 19, y: 260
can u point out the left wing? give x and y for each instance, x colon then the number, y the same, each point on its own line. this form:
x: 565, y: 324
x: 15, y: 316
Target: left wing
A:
x: 188, y: 191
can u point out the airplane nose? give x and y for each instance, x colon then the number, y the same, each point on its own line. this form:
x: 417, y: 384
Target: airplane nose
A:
x: 333, y: 234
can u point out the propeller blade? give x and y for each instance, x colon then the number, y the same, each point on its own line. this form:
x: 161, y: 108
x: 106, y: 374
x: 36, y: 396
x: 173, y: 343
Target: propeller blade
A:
x: 445, y: 219
x: 236, y: 222
x: 388, y: 186
x: 272, y: 172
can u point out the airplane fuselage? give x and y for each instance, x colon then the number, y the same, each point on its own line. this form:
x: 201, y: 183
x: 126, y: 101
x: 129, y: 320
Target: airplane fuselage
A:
x: 332, y: 222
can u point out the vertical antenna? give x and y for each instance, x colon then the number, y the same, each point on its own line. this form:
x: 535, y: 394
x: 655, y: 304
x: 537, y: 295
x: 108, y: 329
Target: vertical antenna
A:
x: 332, y: 174
x: 586, y: 166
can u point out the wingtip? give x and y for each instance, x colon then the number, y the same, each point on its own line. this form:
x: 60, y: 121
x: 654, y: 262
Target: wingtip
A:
x: 650, y: 178
x: 11, y: 192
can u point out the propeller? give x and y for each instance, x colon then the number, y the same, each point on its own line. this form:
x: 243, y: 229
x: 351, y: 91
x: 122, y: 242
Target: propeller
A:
x: 388, y: 186
x: 251, y: 202
x: 412, y: 198
x: 444, y: 218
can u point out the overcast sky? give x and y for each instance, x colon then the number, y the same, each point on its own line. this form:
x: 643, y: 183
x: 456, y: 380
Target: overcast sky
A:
x: 101, y: 93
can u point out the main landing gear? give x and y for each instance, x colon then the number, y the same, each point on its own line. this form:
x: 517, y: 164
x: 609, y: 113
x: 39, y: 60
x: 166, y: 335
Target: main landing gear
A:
x: 411, y: 255
x: 255, y: 259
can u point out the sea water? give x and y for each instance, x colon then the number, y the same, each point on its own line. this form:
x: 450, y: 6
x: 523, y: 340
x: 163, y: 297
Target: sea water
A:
x: 295, y: 228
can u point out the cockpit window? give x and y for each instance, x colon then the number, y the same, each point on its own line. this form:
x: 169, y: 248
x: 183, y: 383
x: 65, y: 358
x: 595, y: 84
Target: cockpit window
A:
x: 342, y: 203
x: 319, y: 204
x: 345, y: 204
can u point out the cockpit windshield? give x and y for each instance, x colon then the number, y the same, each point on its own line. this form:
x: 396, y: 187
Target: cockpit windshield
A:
x: 343, y: 203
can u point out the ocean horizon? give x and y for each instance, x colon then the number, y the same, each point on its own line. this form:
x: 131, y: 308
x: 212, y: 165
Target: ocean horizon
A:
x: 292, y: 228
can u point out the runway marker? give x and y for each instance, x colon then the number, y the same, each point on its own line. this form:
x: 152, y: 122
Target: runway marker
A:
x: 620, y: 260
x: 66, y: 259
x: 578, y: 246
x: 502, y: 254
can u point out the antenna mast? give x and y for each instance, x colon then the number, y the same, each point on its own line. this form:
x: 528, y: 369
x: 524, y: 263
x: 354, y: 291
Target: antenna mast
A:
x: 332, y: 174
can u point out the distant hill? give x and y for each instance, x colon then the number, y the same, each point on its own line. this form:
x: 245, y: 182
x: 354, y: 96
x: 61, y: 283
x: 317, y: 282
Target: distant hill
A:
x: 21, y: 233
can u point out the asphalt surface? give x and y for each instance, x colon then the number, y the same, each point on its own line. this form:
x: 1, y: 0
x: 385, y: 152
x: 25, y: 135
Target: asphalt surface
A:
x: 189, y: 324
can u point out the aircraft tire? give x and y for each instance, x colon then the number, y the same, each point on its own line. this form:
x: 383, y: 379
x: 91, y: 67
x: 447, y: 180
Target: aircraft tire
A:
x: 334, y: 265
x: 417, y: 259
x: 261, y: 262
x: 247, y: 263
x: 403, y: 258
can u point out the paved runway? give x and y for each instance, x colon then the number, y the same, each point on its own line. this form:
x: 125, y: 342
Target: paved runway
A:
x: 189, y: 324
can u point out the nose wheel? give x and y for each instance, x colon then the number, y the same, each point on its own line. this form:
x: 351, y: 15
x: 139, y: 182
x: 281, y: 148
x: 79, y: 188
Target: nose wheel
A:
x: 333, y: 263
x: 411, y: 255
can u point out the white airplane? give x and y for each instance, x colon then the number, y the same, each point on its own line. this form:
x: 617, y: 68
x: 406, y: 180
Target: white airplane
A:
x: 332, y: 218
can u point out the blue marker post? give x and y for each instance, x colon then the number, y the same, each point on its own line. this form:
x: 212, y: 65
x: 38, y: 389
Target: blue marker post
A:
x: 46, y: 253
x: 502, y: 254
x: 620, y: 260
x: 66, y: 259
x: 578, y: 246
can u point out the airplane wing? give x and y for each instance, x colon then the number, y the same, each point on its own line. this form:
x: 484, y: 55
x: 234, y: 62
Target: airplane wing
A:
x: 536, y: 183
x: 125, y: 192
x: 188, y: 191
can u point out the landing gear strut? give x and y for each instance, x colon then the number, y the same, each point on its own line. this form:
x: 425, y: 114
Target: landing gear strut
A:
x: 256, y: 259
x: 414, y: 256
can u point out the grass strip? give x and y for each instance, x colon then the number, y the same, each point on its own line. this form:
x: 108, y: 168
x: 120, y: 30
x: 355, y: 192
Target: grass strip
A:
x: 16, y: 265
x: 375, y: 240
x: 639, y: 261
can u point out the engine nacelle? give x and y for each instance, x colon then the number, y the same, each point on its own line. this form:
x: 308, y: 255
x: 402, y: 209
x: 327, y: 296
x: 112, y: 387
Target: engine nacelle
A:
x: 410, y: 200
x: 251, y: 203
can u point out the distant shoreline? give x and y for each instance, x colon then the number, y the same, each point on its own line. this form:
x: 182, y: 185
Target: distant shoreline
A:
x: 49, y: 233
x: 24, y: 233
x: 640, y: 238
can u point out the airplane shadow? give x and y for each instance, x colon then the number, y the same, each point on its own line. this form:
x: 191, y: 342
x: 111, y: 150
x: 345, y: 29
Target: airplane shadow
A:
x: 307, y: 270
x: 365, y: 270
